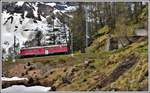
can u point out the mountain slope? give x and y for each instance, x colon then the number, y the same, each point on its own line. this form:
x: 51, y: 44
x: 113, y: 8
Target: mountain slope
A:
x: 23, y: 20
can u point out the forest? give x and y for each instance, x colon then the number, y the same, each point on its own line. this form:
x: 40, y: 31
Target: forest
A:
x: 118, y: 19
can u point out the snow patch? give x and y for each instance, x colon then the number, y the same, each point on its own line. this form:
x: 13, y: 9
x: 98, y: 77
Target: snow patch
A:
x: 71, y: 8
x: 13, y: 79
x: 24, y: 89
x: 35, y: 12
x: 20, y: 3
x: 51, y: 4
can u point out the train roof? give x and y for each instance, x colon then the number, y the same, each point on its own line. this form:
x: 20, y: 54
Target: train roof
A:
x: 44, y: 46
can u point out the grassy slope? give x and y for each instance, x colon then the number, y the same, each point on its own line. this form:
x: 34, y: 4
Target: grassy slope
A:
x: 83, y: 77
x: 103, y: 65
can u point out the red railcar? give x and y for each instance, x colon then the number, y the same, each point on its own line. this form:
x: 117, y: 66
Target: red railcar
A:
x: 49, y: 46
x: 44, y: 50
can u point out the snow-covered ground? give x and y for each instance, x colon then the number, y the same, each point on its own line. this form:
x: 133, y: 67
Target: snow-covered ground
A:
x: 13, y: 79
x: 24, y: 89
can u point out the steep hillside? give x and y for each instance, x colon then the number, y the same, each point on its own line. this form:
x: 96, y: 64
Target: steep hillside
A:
x: 116, y: 60
x: 123, y: 69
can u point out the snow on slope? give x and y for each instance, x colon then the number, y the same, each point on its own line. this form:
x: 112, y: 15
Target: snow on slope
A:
x: 24, y: 89
x: 9, y: 30
x: 12, y: 79
x: 20, y: 3
x: 51, y: 4
x: 25, y: 29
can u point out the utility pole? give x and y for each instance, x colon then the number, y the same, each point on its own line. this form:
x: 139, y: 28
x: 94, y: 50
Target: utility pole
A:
x: 53, y: 31
x: 86, y: 7
x: 14, y: 54
x: 71, y: 43
x: 64, y: 26
x: 70, y: 37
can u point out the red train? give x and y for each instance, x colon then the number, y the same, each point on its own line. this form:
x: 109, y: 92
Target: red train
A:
x: 50, y: 47
x: 44, y: 50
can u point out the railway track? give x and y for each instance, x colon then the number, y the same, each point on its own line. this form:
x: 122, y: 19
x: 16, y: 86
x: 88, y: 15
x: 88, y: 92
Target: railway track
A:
x: 40, y: 59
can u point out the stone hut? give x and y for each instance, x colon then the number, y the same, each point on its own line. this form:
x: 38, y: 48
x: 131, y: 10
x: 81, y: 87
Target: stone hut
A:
x: 113, y: 43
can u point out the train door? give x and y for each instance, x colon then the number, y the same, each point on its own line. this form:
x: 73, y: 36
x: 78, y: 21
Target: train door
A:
x: 46, y: 51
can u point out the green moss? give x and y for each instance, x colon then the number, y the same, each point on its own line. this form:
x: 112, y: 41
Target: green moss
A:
x: 44, y: 63
x: 101, y: 32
